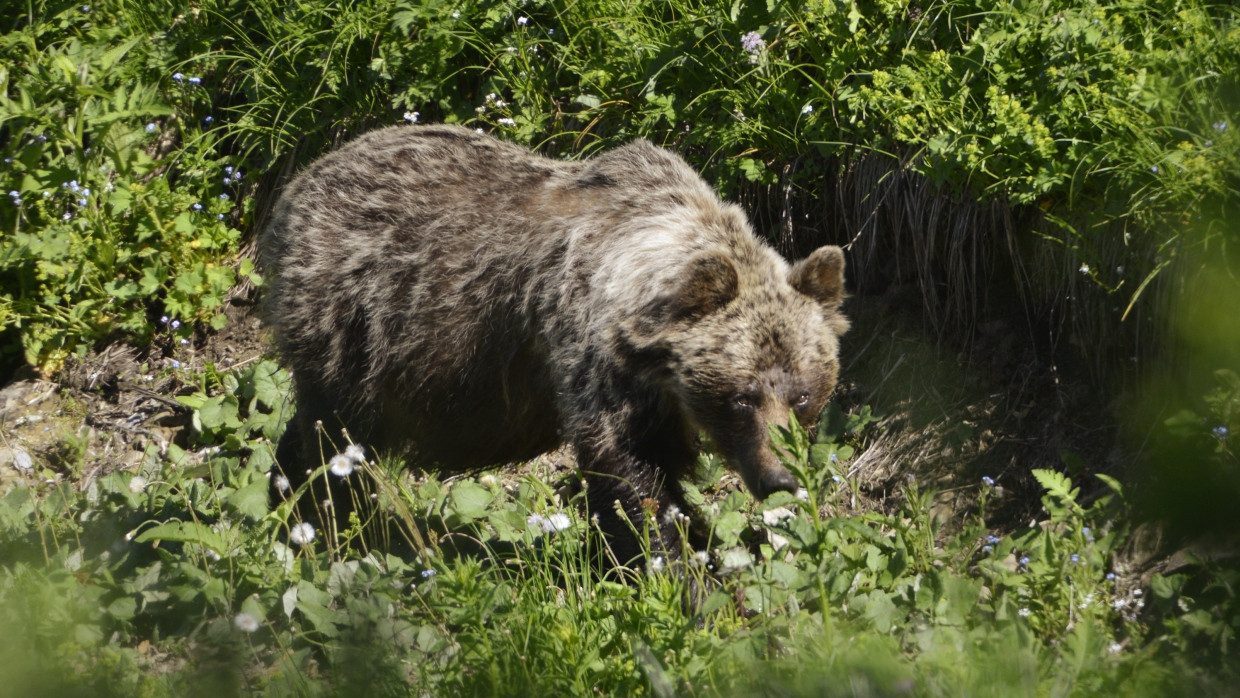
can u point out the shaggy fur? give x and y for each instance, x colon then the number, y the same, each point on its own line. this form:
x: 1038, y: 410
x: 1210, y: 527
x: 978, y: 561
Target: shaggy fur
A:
x: 466, y: 303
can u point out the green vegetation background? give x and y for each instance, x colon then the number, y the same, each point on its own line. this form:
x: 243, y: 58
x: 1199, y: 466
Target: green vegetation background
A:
x: 142, y: 142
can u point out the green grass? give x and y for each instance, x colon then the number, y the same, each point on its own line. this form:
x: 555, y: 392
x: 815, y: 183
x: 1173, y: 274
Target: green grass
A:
x: 151, y: 582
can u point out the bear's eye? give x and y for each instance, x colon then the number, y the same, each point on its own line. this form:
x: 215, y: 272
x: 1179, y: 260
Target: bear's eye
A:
x: 745, y: 402
x: 802, y: 400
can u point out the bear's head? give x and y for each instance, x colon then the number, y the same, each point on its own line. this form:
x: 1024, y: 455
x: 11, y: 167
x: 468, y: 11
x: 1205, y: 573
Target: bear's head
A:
x: 751, y: 342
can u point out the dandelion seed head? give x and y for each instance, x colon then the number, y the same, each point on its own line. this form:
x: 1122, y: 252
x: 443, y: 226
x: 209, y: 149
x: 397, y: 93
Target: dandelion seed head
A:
x: 245, y: 622
x: 301, y: 534
x: 282, y: 484
x: 341, y: 465
x: 355, y: 453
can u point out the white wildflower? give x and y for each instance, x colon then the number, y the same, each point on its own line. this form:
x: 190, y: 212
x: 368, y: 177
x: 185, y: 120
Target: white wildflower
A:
x: 341, y: 465
x: 301, y: 534
x: 245, y: 622
x: 412, y: 117
x: 282, y: 484
x: 355, y: 453
x: 137, y: 484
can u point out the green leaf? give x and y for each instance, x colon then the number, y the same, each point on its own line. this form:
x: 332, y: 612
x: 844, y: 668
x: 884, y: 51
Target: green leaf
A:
x: 250, y: 501
x: 469, y: 500
x: 184, y: 532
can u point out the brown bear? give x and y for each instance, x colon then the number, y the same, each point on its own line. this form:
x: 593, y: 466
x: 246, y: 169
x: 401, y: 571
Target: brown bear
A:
x: 464, y: 302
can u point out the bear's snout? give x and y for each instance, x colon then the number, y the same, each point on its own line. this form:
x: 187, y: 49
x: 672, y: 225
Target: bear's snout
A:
x: 774, y: 480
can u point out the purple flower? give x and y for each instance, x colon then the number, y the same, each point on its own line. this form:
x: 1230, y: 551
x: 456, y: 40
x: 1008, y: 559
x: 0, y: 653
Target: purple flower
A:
x: 175, y: 324
x: 208, y: 119
x: 197, y: 206
x: 752, y: 43
x: 195, y: 80
x: 1220, y: 432
x: 988, y: 481
x: 178, y: 77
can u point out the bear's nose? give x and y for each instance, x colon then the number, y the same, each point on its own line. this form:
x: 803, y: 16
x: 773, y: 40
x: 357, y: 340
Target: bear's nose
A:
x: 777, y: 480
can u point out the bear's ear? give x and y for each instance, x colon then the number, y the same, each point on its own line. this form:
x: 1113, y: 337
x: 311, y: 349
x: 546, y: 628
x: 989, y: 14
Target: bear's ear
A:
x: 820, y: 276
x: 710, y: 282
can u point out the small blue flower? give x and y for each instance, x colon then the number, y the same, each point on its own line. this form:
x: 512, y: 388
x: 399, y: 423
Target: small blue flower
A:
x: 1024, y: 560
x: 85, y: 191
x: 208, y: 119
x: 175, y: 324
x: 1220, y: 126
x: 163, y: 320
x: 178, y: 77
x: 1154, y: 169
x: 236, y: 176
x: 1110, y: 576
x: 228, y: 169
x: 834, y: 458
x: 219, y: 216
x: 85, y: 8
x: 14, y: 194
x: 988, y: 481
x: 83, y: 202
x: 197, y: 206
x: 1220, y: 432
x: 224, y: 197
x: 194, y: 80
x: 74, y: 186
x: 427, y: 574
x: 17, y: 201
x: 176, y: 364
x: 992, y: 539
x: 8, y: 161
x: 150, y: 128
x: 67, y: 216
x: 1075, y: 558
x: 987, y: 548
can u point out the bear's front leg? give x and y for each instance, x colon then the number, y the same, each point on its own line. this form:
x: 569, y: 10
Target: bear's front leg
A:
x: 636, y: 504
